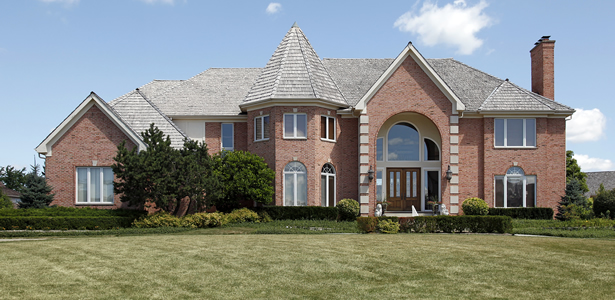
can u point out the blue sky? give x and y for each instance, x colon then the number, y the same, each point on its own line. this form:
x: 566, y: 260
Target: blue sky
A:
x: 54, y: 52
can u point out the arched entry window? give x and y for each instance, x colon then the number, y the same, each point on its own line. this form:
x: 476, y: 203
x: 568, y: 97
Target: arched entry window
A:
x: 327, y: 185
x: 515, y: 189
x: 403, y: 143
x: 295, y: 184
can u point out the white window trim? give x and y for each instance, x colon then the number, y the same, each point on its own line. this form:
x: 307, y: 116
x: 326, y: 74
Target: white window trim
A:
x: 423, y: 181
x: 423, y: 149
x: 505, y: 183
x: 232, y: 148
x: 386, y: 144
x: 295, y: 189
x: 295, y: 137
x: 383, y: 148
x: 506, y: 134
x: 327, y: 128
x: 334, y: 175
x: 383, y: 193
x: 88, y: 189
x: 260, y: 119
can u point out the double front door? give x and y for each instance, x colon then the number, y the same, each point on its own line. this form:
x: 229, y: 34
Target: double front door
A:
x: 403, y: 189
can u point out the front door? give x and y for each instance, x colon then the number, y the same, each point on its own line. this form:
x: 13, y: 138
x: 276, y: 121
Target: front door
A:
x: 403, y: 189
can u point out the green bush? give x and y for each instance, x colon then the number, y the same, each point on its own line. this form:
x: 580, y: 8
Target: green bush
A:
x: 367, y: 224
x: 63, y: 222
x: 604, y: 204
x: 388, y: 226
x: 465, y: 223
x: 348, y: 209
x: 72, y: 212
x: 160, y: 219
x: 532, y: 213
x: 475, y: 207
x: 5, y: 201
x: 241, y: 215
x: 203, y: 220
x: 299, y: 212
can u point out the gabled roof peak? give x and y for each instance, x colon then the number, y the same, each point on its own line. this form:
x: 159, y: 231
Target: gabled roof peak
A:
x: 295, y: 25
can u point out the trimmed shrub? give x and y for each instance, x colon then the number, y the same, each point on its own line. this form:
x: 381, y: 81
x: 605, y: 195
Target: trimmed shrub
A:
x: 72, y: 212
x: 604, y: 204
x: 5, y: 201
x: 202, y: 220
x: 475, y: 207
x: 348, y: 209
x: 299, y: 212
x: 160, y: 219
x: 388, y: 226
x: 367, y: 224
x: 63, y: 222
x: 486, y: 224
x: 241, y: 215
x: 533, y: 213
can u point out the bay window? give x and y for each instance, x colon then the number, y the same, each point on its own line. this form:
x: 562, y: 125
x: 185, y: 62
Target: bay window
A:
x: 327, y: 128
x: 295, y: 126
x: 261, y: 128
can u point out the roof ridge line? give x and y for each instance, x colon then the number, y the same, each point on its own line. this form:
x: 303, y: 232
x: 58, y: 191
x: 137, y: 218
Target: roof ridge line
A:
x: 161, y: 113
x: 491, y: 94
x: 475, y: 69
x: 307, y: 65
x: 533, y: 95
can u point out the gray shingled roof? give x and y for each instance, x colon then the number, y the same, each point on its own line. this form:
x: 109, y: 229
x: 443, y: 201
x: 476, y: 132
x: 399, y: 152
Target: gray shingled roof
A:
x: 295, y: 72
x: 355, y: 77
x: 594, y: 179
x: 509, y: 96
x: 138, y: 113
x: 215, y: 92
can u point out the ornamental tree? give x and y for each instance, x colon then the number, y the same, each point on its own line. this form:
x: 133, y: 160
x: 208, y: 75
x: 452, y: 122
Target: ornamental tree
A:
x: 36, y: 193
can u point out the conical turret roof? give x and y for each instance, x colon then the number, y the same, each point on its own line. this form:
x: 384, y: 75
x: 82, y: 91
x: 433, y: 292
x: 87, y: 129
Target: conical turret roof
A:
x: 295, y: 72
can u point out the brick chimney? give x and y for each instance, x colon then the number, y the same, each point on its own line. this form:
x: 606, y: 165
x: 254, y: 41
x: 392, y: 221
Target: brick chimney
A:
x: 542, y: 67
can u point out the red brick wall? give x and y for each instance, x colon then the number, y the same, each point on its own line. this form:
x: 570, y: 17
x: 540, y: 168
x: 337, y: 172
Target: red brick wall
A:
x: 409, y: 89
x: 471, y: 159
x: 312, y: 152
x: 543, y: 68
x: 94, y: 137
x: 547, y: 161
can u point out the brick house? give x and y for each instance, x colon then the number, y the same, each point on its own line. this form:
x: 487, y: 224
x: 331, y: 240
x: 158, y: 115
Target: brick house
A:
x: 407, y: 129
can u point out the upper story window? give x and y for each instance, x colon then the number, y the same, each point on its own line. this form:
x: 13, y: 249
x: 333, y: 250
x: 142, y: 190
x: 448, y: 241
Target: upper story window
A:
x: 515, y: 132
x: 261, y: 128
x: 227, y: 137
x: 94, y: 185
x: 295, y: 126
x: 327, y: 128
x: 403, y: 143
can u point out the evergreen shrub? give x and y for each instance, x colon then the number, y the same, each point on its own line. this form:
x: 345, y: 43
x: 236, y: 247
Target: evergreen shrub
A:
x: 160, y: 219
x: 367, y: 224
x: 348, y: 209
x: 63, y: 222
x: 241, y: 215
x: 203, y: 220
x: 465, y: 223
x: 388, y: 226
x: 604, y: 204
x: 5, y: 201
x: 475, y: 207
x: 532, y: 213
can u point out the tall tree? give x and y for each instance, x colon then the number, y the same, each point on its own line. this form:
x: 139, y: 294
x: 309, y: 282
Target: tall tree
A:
x: 574, y: 204
x: 36, y: 193
x: 13, y: 179
x: 196, y: 180
x: 573, y: 170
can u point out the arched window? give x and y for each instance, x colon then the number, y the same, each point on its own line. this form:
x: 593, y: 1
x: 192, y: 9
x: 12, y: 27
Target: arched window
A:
x: 403, y: 143
x: 327, y: 185
x: 431, y: 150
x: 295, y: 184
x: 515, y: 189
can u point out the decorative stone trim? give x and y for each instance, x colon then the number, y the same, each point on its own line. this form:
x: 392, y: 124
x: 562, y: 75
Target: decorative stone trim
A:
x: 364, y: 199
x: 454, y: 160
x: 454, y: 209
x: 454, y: 149
x: 454, y: 129
x: 454, y: 139
x: 454, y: 199
x: 364, y: 209
x: 454, y: 189
x: 455, y: 180
x: 455, y: 169
x: 454, y: 119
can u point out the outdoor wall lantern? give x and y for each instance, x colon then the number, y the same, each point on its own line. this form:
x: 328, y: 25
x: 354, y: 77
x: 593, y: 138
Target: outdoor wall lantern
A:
x: 371, y: 173
x: 449, y: 174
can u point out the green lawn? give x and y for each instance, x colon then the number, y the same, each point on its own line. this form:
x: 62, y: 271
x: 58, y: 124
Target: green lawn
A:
x: 289, y: 266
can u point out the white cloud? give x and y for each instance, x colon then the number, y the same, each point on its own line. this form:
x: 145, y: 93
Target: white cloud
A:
x: 453, y: 25
x: 273, y: 8
x: 593, y: 164
x: 170, y: 2
x: 586, y: 126
x: 67, y: 2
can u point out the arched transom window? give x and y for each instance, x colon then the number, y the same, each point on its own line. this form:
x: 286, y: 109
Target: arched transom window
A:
x: 327, y: 185
x: 295, y: 184
x: 515, y: 189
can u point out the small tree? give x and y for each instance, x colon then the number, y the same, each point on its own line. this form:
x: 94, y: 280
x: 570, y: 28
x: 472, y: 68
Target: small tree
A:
x: 574, y: 204
x: 604, y: 203
x: 573, y: 171
x: 5, y: 201
x: 13, y: 179
x: 36, y: 193
x: 241, y: 176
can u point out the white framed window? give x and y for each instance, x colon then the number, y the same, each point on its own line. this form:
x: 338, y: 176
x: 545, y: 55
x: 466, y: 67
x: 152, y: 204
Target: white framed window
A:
x: 94, y: 185
x: 403, y: 143
x: 227, y: 139
x: 515, y: 132
x: 380, y: 196
x: 380, y: 149
x: 515, y: 189
x: 261, y: 128
x: 295, y: 184
x: 431, y: 192
x: 327, y: 185
x: 295, y: 126
x: 327, y: 128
